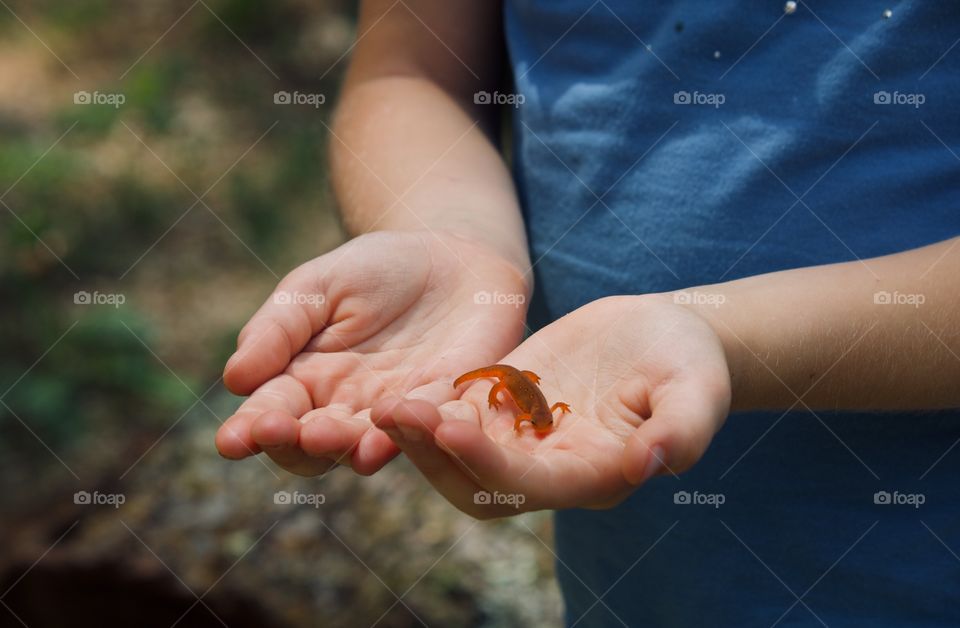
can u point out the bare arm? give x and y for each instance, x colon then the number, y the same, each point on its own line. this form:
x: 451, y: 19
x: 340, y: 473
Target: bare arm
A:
x: 397, y: 310
x: 411, y: 151
x: 829, y: 334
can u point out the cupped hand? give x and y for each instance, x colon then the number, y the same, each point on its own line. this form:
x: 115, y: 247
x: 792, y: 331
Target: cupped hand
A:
x: 648, y: 384
x: 388, y: 313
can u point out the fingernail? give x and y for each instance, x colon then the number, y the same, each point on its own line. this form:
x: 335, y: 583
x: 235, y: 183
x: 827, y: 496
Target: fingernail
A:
x: 411, y: 433
x: 655, y: 463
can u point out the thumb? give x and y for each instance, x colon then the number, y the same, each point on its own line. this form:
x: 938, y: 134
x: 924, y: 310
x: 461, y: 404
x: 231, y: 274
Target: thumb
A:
x: 676, y: 435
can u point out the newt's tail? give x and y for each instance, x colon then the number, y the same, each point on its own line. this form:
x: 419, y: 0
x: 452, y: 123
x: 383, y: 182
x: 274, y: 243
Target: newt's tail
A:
x: 497, y: 371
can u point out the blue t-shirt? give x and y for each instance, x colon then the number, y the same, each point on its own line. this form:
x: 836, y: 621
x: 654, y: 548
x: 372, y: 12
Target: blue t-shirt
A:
x: 665, y: 145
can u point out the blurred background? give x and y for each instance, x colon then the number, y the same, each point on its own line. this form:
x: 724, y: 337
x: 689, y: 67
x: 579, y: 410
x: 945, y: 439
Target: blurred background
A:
x: 153, y: 189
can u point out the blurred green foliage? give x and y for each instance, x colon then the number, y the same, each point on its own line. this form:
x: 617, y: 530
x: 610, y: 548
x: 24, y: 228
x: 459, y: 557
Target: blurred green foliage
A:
x: 152, y: 88
x: 100, y: 370
x: 99, y: 201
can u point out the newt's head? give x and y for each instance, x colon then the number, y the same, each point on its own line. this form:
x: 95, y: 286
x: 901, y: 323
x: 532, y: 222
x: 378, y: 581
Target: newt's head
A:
x: 542, y: 422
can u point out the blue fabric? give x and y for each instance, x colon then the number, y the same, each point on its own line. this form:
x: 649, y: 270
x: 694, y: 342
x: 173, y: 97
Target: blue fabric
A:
x: 687, y: 199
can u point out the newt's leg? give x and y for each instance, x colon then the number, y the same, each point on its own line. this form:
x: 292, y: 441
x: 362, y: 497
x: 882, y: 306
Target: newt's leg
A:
x: 524, y: 416
x: 487, y: 371
x: 492, y: 400
x: 564, y: 408
x: 533, y: 377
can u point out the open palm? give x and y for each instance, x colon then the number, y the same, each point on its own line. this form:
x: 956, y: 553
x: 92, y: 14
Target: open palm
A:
x: 648, y: 385
x: 385, y: 314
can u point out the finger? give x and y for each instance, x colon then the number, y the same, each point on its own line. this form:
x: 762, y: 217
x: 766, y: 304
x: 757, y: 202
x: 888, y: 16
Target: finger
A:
x: 508, y: 470
x: 435, y: 393
x: 338, y: 433
x: 675, y: 436
x: 374, y: 451
x: 412, y: 424
x: 283, y: 393
x: 277, y: 434
x: 295, y: 312
x: 548, y: 475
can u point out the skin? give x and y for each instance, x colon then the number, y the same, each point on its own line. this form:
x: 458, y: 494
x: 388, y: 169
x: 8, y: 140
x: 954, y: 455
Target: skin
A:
x: 523, y: 390
x: 315, y: 371
x: 652, y: 377
x: 653, y: 380
x: 414, y: 160
x: 657, y: 373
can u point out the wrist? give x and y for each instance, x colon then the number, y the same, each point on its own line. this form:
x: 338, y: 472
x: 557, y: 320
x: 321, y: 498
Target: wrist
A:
x: 725, y: 307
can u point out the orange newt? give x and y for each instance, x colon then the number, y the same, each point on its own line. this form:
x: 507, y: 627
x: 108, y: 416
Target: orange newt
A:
x: 522, y: 388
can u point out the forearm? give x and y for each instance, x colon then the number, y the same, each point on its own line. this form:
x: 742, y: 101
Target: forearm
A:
x: 825, y: 334
x: 408, y: 156
x: 410, y: 148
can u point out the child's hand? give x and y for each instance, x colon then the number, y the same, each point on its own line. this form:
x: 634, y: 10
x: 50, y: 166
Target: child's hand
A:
x: 648, y: 384
x: 388, y: 313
